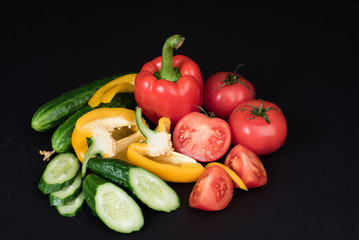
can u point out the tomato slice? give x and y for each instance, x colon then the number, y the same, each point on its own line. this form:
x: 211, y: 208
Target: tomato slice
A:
x: 236, y: 179
x: 247, y: 165
x: 213, y: 190
x: 203, y: 138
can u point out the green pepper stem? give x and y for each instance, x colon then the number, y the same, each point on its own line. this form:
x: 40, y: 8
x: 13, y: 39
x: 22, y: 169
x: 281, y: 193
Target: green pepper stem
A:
x: 93, y: 150
x: 167, y: 71
x: 146, y: 132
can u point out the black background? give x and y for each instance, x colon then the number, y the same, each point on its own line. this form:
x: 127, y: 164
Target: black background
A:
x: 302, y: 57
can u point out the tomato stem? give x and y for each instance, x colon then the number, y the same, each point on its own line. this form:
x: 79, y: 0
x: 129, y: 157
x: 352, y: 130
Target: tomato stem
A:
x: 258, y: 111
x: 211, y: 114
x: 239, y: 65
x: 233, y: 78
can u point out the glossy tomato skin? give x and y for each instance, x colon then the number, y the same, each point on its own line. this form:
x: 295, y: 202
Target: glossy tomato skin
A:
x: 203, y: 138
x: 223, y: 100
x: 254, y: 132
x: 247, y: 165
x: 213, y: 190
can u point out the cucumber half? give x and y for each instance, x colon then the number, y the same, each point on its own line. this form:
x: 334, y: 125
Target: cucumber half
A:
x: 146, y: 186
x: 153, y: 191
x: 59, y: 173
x: 112, y: 205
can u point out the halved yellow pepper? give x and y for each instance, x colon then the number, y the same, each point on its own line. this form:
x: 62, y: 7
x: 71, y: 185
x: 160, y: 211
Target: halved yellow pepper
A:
x: 123, y: 84
x: 110, y: 131
x: 157, y: 155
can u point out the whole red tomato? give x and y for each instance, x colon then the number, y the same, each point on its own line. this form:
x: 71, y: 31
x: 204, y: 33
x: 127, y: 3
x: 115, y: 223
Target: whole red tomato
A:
x: 223, y: 91
x: 247, y: 165
x: 202, y: 137
x: 258, y: 125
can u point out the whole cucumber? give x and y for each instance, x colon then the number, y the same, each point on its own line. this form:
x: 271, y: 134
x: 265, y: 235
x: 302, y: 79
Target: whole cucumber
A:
x: 61, y: 139
x: 56, y: 111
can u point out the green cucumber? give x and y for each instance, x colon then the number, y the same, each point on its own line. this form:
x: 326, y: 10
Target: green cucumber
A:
x: 72, y: 208
x: 66, y: 194
x: 61, y: 139
x: 112, y: 205
x: 59, y: 173
x: 147, y: 187
x: 56, y: 111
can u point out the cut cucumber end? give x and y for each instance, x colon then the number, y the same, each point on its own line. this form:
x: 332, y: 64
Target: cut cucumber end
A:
x: 60, y: 172
x: 117, y: 209
x: 66, y: 194
x: 153, y: 191
x: 72, y: 208
x: 112, y: 205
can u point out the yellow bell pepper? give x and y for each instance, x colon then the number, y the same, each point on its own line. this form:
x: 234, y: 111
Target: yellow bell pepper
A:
x: 123, y: 84
x: 157, y: 155
x: 110, y: 131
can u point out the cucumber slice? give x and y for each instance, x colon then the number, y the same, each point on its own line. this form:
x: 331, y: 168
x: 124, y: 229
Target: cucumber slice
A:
x: 72, y: 208
x: 59, y: 173
x: 112, y: 205
x: 146, y: 186
x: 153, y: 191
x: 66, y: 194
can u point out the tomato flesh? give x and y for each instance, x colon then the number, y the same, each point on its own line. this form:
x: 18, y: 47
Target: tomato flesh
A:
x: 202, y: 138
x: 213, y: 190
x: 247, y: 165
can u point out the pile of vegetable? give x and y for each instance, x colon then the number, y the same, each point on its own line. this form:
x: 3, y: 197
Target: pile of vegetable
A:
x: 118, y: 140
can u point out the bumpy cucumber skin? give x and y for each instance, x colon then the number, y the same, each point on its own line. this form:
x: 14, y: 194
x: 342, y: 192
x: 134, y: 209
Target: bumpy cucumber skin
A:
x: 113, y: 170
x: 89, y: 187
x: 61, y: 139
x: 121, y: 100
x: 56, y: 111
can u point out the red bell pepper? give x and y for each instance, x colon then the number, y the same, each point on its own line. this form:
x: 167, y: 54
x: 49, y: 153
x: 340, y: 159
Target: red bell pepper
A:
x: 169, y: 86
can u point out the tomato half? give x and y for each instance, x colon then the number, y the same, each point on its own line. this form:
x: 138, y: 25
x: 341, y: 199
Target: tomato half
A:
x: 224, y: 91
x: 247, y: 165
x: 201, y: 137
x: 258, y: 125
x: 213, y: 190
